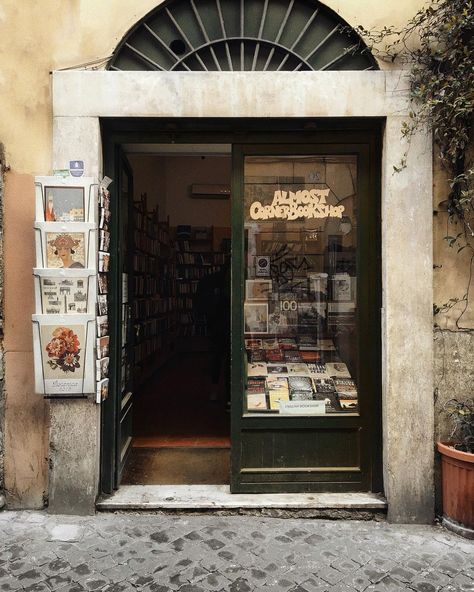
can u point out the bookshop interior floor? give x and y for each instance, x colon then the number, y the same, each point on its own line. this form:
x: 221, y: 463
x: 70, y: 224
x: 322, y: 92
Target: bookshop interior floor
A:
x: 181, y: 432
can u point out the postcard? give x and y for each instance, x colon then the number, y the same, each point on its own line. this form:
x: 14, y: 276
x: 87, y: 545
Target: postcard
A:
x: 104, y: 198
x: 102, y: 390
x: 104, y: 240
x: 102, y: 326
x: 64, y: 295
x: 256, y: 317
x: 102, y: 283
x: 341, y: 287
x: 102, y: 304
x: 103, y: 347
x: 63, y: 353
x: 64, y: 204
x: 104, y: 260
x: 257, y: 289
x: 102, y: 368
x: 104, y: 218
x: 65, y: 250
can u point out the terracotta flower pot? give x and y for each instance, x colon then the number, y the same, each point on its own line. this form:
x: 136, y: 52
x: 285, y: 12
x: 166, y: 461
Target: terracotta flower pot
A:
x: 458, y: 489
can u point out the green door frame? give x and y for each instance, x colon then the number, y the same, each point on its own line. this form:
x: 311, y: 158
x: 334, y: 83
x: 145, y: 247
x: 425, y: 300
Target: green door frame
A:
x: 316, y: 136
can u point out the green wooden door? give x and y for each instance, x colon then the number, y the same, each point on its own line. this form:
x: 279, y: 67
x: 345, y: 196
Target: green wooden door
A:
x: 118, y: 407
x: 306, y: 317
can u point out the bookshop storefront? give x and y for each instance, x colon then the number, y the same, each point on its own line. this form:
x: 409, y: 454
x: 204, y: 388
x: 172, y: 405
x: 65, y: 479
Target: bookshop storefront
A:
x: 326, y: 348
x: 322, y: 249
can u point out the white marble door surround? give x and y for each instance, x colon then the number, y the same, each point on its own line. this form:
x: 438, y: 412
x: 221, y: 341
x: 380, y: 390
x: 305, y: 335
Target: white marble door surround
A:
x: 81, y: 98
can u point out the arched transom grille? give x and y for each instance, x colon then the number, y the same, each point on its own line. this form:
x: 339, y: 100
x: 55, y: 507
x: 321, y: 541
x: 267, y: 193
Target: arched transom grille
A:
x: 242, y: 35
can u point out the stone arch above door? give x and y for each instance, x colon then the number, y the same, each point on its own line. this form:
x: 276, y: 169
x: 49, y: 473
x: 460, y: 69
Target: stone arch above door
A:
x: 242, y: 35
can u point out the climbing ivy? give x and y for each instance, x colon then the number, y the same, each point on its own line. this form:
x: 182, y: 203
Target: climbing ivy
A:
x: 438, y: 45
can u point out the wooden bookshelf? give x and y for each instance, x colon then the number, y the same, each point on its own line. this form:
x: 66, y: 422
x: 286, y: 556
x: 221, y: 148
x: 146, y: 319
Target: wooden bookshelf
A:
x: 153, y: 286
x: 196, y: 258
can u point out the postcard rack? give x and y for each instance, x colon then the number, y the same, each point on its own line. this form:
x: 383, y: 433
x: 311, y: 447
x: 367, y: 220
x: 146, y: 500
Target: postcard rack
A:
x: 65, y: 279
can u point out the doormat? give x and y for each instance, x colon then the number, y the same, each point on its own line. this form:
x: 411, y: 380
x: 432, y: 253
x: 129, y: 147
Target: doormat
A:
x: 178, y: 466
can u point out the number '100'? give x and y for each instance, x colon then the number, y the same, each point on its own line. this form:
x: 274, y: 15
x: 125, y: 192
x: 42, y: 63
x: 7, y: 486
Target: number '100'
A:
x: 288, y: 305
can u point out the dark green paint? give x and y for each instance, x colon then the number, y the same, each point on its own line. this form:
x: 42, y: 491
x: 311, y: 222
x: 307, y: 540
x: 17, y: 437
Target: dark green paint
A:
x: 254, y: 466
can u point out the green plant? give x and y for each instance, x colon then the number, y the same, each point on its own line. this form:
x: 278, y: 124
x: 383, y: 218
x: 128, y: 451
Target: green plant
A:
x: 461, y: 414
x: 438, y: 46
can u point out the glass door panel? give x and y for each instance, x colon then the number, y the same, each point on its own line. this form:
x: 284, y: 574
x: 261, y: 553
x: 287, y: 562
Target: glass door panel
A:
x: 300, y: 285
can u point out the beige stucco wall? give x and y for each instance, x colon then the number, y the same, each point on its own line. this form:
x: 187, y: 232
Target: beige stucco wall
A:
x: 37, y: 37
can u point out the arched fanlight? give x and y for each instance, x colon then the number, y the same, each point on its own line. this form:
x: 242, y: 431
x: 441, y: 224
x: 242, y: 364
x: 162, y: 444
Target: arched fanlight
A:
x: 242, y: 35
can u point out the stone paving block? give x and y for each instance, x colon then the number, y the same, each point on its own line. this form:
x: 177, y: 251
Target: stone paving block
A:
x: 66, y: 532
x: 56, y: 566
x: 463, y: 582
x: 357, y: 581
x: 8, y: 583
x: 345, y: 566
x: 330, y: 575
x: 117, y: 574
x: 37, y: 587
x: 434, y: 577
x: 402, y: 573
x: 374, y: 575
x: 448, y: 567
x: 59, y: 581
x: 94, y: 583
x: 156, y: 588
x: 74, y: 587
x: 120, y: 587
x: 387, y: 584
x: 75, y: 556
x: 315, y: 585
x: 29, y: 576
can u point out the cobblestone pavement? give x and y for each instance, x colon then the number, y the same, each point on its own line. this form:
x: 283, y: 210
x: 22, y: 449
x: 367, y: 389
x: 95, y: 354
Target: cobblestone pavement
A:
x: 193, y: 553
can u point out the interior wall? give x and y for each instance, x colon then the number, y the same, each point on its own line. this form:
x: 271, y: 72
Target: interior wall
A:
x: 167, y: 181
x: 149, y: 178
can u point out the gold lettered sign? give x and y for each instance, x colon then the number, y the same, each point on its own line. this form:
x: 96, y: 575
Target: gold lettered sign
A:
x: 293, y: 205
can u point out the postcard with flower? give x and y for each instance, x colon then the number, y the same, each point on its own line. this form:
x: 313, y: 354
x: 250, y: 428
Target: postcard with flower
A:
x: 63, y: 351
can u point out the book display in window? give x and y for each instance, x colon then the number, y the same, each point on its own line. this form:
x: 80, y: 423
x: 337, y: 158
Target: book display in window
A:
x: 64, y: 327
x: 300, y: 306
x: 153, y: 285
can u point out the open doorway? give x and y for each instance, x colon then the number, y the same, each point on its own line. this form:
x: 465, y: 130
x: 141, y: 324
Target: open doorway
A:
x: 177, y: 355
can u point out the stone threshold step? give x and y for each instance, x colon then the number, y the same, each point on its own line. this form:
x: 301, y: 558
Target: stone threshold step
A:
x: 218, y: 497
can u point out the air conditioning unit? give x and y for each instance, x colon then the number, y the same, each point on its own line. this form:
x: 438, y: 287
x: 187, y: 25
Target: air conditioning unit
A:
x: 210, y: 191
